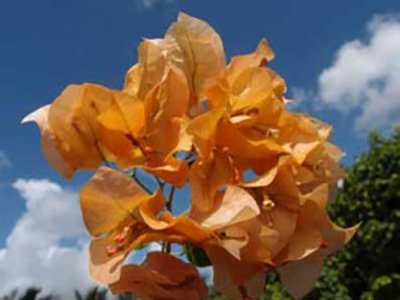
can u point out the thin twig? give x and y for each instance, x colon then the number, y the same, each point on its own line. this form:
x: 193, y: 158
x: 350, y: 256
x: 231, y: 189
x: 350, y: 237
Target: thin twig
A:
x: 161, y: 183
x: 170, y: 198
x: 166, y: 247
x: 141, y: 184
x: 191, y: 162
x: 189, y: 155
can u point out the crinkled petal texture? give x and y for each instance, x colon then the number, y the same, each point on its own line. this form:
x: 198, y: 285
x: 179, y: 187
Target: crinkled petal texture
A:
x: 73, y: 136
x: 111, y: 204
x: 300, y: 276
x: 260, y: 175
x: 161, y: 276
x: 51, y: 144
x: 234, y: 277
x: 111, y: 192
x: 122, y: 216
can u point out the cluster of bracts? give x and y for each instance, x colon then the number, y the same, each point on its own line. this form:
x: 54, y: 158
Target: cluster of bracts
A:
x: 260, y: 175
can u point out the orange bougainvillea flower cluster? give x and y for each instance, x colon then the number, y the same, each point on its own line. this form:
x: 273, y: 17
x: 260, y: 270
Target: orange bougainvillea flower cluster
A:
x: 260, y: 176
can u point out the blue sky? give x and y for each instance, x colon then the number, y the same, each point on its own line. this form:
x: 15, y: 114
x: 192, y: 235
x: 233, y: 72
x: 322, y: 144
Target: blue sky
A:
x: 47, y: 44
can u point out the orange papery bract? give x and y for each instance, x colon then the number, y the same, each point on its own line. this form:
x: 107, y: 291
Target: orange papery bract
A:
x: 161, y: 276
x: 260, y: 175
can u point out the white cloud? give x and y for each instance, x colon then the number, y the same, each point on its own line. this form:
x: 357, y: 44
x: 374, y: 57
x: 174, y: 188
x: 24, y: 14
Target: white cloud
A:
x: 4, y: 161
x: 39, y: 251
x: 300, y: 97
x: 34, y: 254
x: 365, y: 77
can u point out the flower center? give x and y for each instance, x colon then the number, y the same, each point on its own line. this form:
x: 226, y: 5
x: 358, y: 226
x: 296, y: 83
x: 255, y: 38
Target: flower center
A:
x: 268, y: 204
x: 222, y: 235
x: 123, y: 239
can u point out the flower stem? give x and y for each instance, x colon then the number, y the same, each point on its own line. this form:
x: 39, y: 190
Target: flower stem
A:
x: 170, y: 198
x: 140, y: 183
x: 160, y: 183
x: 166, y: 246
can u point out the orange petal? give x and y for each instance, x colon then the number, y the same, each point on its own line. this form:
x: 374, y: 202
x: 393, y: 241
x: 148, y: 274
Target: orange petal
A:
x: 283, y: 222
x: 230, y: 273
x: 236, y: 206
x: 117, y: 120
x: 284, y: 189
x: 51, y: 145
x: 233, y: 239
x: 77, y: 133
x: 300, y: 277
x: 150, y: 209
x: 104, y: 268
x: 186, y: 228
x: 248, y: 153
x: 261, y: 242
x: 152, y: 62
x: 165, y: 107
x: 262, y: 54
x: 252, y: 86
x: 132, y: 81
x: 197, y: 50
x: 203, y: 128
x: 172, y: 170
x: 262, y: 180
x: 297, y: 127
x: 314, y: 228
x: 206, y: 177
x: 161, y: 276
x: 107, y: 199
x: 68, y: 130
x: 301, y: 150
